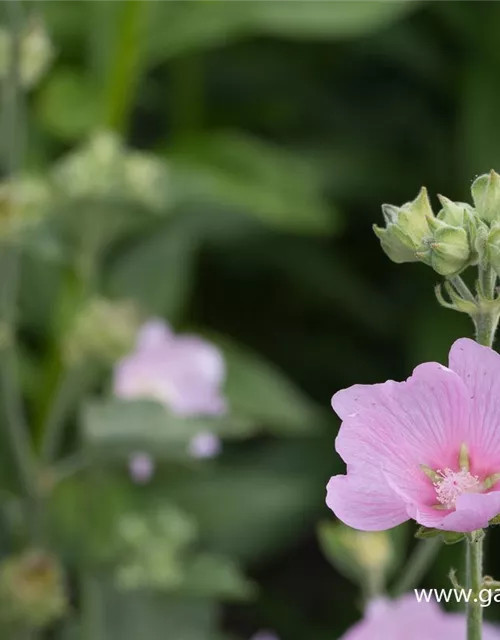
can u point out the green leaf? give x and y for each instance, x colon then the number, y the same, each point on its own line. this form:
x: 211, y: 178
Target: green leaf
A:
x: 259, y: 391
x: 129, y: 616
x: 194, y: 27
x: 452, y: 537
x: 125, y: 426
x: 318, y: 19
x: 245, y: 174
x: 423, y: 533
x: 256, y: 504
x: 156, y: 271
x: 210, y: 575
x: 213, y: 23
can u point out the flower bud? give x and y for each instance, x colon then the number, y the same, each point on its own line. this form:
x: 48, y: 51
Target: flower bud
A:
x: 24, y: 201
x: 486, y: 195
x: 456, y: 214
x: 360, y: 555
x: 448, y: 251
x: 36, y: 53
x: 103, y: 331
x: 406, y: 228
x: 32, y: 590
x: 493, y: 247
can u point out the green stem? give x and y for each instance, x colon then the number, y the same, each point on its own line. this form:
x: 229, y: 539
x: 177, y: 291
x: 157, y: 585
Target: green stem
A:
x: 125, y: 65
x: 486, y: 324
x: 474, y: 583
x: 421, y: 559
x: 64, y: 399
x: 462, y: 288
x: 9, y: 255
x: 487, y: 281
x: 91, y: 607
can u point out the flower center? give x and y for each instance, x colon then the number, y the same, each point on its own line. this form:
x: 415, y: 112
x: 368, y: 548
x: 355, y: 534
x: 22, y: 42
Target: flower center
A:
x: 449, y: 484
x: 452, y: 484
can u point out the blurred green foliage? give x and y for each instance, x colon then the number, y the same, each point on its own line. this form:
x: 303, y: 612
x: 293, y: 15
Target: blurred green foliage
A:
x: 220, y: 164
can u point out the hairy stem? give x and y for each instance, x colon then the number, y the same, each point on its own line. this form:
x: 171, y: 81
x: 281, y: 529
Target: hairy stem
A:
x: 486, y: 324
x: 474, y: 583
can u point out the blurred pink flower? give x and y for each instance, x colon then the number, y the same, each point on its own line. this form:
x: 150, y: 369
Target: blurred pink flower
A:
x: 142, y: 467
x: 264, y: 635
x: 205, y: 445
x: 183, y: 372
x: 412, y: 620
x: 427, y: 448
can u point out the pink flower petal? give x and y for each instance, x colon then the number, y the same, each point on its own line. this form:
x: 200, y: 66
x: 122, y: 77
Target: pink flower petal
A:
x: 153, y: 334
x: 355, y: 399
x: 421, y: 421
x: 364, y: 502
x: 409, y: 619
x: 197, y: 354
x: 479, y: 367
x: 473, y: 511
x: 185, y: 373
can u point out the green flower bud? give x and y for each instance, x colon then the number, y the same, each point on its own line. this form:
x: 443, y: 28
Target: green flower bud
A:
x: 406, y: 228
x: 36, y: 52
x: 493, y: 247
x: 24, y: 202
x: 456, y: 214
x: 32, y: 590
x: 102, y: 331
x: 448, y: 250
x: 361, y: 556
x: 486, y: 195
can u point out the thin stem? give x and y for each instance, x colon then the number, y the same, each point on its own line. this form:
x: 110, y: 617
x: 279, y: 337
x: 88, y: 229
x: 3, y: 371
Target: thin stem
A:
x: 421, y: 559
x: 67, y: 390
x: 486, y: 325
x: 474, y: 583
x: 125, y: 65
x: 462, y: 288
x: 10, y: 389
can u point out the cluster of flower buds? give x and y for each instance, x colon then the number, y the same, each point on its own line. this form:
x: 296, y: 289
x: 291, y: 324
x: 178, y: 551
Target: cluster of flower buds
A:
x: 446, y: 242
x: 104, y: 169
x: 460, y: 235
x: 154, y: 546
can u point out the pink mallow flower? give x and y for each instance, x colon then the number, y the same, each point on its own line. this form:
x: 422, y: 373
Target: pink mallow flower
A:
x: 412, y: 620
x: 427, y: 448
x: 183, y: 372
